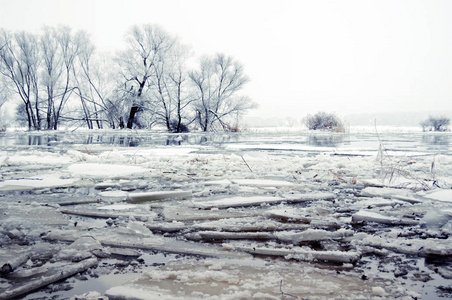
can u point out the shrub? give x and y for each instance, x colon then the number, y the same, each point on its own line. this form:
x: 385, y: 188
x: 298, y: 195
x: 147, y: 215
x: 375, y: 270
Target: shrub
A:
x: 435, y: 123
x: 324, y: 121
x: 178, y: 128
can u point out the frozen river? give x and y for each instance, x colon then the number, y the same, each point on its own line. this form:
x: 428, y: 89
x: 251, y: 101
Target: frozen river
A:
x: 265, y: 215
x: 430, y: 143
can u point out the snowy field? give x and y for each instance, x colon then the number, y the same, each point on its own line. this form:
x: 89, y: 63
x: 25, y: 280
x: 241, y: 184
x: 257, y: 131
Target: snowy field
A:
x: 259, y: 215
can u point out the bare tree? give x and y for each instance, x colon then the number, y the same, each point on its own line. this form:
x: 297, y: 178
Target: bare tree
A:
x: 20, y: 64
x: 217, y: 84
x: 5, y: 93
x: 51, y: 70
x: 182, y: 98
x: 42, y: 70
x: 137, y: 62
x: 69, y: 44
x: 101, y: 94
x: 170, y: 90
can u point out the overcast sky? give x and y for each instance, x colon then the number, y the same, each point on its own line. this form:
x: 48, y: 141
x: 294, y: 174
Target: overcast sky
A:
x: 301, y: 56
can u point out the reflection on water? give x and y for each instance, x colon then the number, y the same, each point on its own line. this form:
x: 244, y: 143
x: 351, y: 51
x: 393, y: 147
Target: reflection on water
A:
x: 124, y: 139
x: 325, y: 140
x: 426, y: 142
x: 434, y: 139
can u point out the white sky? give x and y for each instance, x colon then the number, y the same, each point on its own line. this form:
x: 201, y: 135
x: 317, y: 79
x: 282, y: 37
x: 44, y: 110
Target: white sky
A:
x: 301, y: 56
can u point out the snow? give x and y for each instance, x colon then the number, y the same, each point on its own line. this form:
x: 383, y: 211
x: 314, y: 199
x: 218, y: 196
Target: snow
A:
x: 328, y: 208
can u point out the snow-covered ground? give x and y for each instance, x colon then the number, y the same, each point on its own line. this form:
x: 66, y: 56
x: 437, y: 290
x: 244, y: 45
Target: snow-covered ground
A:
x: 264, y: 215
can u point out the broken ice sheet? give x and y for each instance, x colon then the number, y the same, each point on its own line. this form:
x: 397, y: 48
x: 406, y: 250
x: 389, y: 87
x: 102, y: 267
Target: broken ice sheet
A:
x: 316, y: 206
x: 264, y: 183
x: 223, y: 279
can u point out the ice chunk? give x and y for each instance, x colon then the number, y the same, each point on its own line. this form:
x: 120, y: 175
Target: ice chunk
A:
x: 370, y: 216
x: 113, y: 195
x: 314, y: 235
x: 263, y: 183
x: 113, y: 171
x: 118, y: 207
x: 248, y: 224
x: 219, y: 235
x: 181, y: 213
x: 9, y: 262
x: 378, y: 291
x: 447, y: 228
x: 304, y: 254
x: 384, y: 192
x: 288, y: 214
x: 222, y: 182
x: 435, y: 219
x: 423, y: 247
x: 440, y: 195
x: 106, y: 184
x: 438, y: 247
x: 80, y: 249
x: 239, y: 202
x: 34, y: 214
x: 164, y: 151
x: 160, y: 195
x: 39, y: 158
x: 36, y: 182
x: 54, y: 273
x: 90, y: 296
x: 376, y: 202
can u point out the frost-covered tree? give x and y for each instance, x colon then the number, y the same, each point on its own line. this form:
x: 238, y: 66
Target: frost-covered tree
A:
x: 59, y: 77
x: 20, y: 61
x: 102, y: 96
x: 324, y: 121
x: 59, y: 49
x: 42, y: 70
x: 217, y: 84
x: 145, y: 44
x: 170, y: 90
x: 5, y: 93
x: 439, y: 123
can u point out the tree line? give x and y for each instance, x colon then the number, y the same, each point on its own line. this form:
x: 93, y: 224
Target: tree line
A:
x: 59, y: 77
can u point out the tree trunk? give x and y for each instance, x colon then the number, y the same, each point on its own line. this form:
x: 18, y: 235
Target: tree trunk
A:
x: 135, y: 108
x: 133, y: 111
